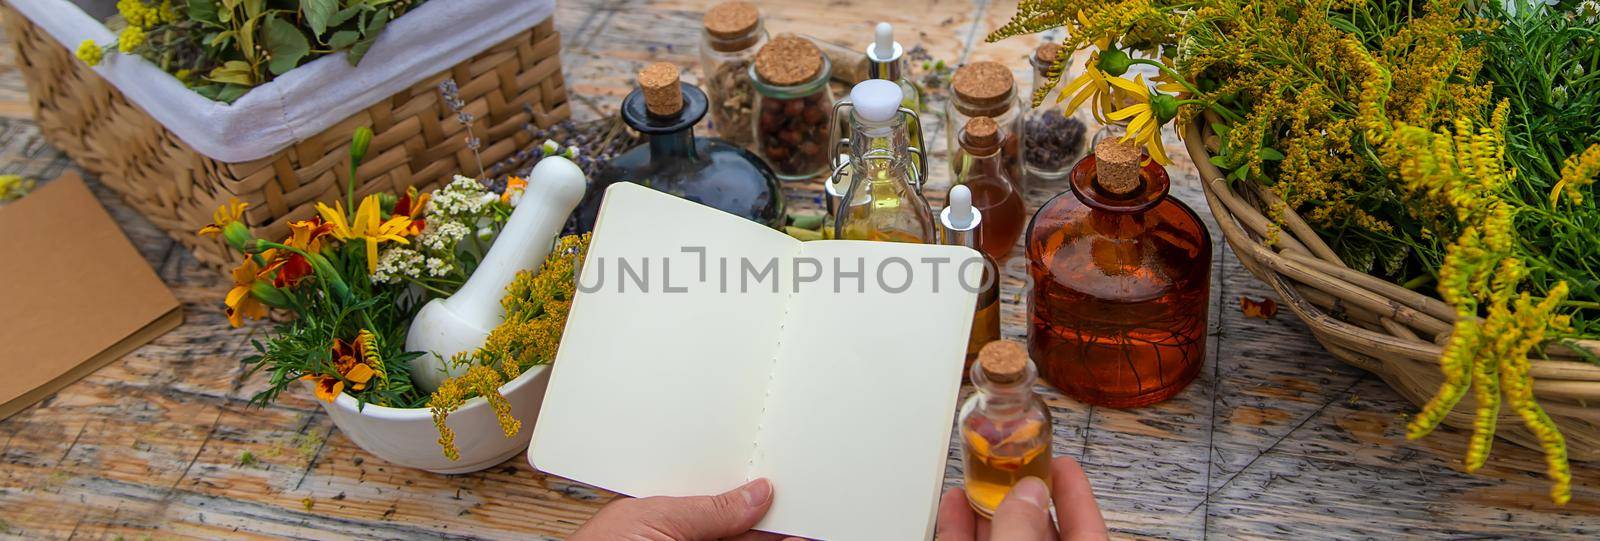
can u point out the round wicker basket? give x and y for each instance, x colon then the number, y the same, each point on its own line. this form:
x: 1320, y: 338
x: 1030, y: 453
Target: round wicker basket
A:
x: 1379, y: 326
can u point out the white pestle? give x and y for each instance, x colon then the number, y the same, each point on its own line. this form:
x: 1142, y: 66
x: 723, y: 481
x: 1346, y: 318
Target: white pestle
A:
x: 445, y: 327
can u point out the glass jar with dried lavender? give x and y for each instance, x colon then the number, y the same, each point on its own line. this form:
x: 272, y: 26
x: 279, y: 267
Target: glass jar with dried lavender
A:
x: 1051, y: 138
x: 985, y: 89
x: 793, y: 103
x: 733, y: 33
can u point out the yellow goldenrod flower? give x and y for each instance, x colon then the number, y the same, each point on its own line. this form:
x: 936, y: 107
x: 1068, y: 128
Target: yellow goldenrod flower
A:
x: 1577, y: 171
x: 90, y: 53
x: 1103, y: 41
x: 241, y: 304
x: 368, y: 225
x: 130, y: 38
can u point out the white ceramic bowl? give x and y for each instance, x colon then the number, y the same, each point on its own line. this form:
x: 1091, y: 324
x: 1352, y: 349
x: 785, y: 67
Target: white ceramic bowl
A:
x: 407, y: 436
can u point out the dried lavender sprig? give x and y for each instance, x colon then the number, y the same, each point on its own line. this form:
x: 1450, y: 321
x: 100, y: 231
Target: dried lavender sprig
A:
x: 451, y: 94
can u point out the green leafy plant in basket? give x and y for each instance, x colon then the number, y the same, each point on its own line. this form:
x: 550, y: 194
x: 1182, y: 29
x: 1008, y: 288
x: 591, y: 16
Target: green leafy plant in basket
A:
x: 223, y: 48
x: 1441, y: 144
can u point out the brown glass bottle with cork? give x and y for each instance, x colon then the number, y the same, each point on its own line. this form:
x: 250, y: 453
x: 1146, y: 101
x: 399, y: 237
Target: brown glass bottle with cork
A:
x: 705, y: 170
x: 986, y: 89
x: 983, y: 170
x: 1005, y: 427
x: 1122, y: 275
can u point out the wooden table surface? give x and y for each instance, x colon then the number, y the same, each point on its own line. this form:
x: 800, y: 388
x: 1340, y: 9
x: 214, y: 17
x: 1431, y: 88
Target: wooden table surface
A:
x: 1276, y: 439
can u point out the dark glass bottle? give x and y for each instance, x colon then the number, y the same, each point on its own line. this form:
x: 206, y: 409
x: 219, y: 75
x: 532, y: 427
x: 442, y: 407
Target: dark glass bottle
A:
x: 705, y: 170
x: 1122, y: 274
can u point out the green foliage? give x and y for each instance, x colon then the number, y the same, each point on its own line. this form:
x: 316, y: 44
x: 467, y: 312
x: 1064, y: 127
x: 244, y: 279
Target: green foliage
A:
x: 223, y: 48
x: 1547, y: 66
x: 302, y: 346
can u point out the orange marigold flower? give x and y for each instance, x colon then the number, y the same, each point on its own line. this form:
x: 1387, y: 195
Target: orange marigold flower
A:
x: 350, y: 360
x: 241, y: 304
x: 411, y: 205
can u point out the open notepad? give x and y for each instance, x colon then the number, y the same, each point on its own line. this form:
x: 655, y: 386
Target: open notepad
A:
x: 682, y: 373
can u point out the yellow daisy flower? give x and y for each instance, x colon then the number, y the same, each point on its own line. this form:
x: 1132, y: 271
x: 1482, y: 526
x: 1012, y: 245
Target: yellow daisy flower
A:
x: 1144, y: 127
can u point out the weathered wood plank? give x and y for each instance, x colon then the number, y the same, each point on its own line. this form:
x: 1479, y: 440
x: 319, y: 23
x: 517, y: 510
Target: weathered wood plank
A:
x: 1276, y: 439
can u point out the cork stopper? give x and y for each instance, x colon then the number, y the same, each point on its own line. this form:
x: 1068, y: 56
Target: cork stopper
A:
x: 1003, y: 361
x: 731, y: 20
x: 1117, y: 166
x: 788, y: 60
x: 984, y: 87
x: 662, y: 96
x: 1046, y: 53
x: 981, y: 136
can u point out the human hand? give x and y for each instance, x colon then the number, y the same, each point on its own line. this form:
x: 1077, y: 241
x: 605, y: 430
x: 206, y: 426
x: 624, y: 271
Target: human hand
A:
x: 1025, y: 513
x: 729, y: 515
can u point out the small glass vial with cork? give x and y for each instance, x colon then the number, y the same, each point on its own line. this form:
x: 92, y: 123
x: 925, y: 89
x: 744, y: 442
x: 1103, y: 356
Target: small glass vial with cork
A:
x: 986, y: 89
x: 1005, y: 427
x: 1051, y: 138
x: 733, y: 33
x: 793, y: 101
x: 704, y: 170
x: 983, y: 170
x: 1122, y: 275
x: 961, y: 224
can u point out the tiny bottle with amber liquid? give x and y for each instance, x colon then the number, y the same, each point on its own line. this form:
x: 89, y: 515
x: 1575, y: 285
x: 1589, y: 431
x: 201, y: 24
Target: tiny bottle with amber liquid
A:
x: 961, y: 223
x: 994, y: 191
x: 1005, y: 427
x: 1122, y: 275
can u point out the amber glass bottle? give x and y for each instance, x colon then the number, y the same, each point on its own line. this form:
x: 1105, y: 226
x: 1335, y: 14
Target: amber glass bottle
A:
x: 994, y: 190
x: 1121, y: 275
x: 1005, y: 427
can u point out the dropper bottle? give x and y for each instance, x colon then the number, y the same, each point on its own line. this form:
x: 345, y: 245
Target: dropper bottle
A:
x: 886, y: 60
x: 959, y: 223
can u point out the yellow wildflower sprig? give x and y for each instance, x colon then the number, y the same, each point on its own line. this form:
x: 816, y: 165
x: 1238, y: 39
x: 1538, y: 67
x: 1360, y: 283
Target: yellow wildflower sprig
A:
x: 536, y: 307
x: 1577, y: 172
x: 1464, y: 168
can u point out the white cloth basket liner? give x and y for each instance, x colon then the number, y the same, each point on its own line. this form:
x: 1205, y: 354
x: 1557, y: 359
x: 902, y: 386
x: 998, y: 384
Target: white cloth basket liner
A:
x: 310, y: 98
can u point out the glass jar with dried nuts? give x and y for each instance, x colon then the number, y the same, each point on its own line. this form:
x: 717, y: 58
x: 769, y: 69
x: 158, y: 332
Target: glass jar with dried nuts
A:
x: 793, y: 102
x: 986, y: 89
x: 733, y: 33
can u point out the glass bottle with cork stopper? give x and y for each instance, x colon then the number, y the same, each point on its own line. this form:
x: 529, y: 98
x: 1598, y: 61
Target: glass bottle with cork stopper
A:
x: 1051, y: 138
x: 733, y: 32
x: 986, y: 89
x: 1122, y: 275
x: 994, y: 191
x: 881, y: 202
x: 1005, y: 427
x: 961, y: 224
x: 705, y: 170
x: 790, y: 75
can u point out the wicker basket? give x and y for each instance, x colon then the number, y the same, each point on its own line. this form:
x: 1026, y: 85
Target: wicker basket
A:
x: 417, y: 139
x: 1376, y: 325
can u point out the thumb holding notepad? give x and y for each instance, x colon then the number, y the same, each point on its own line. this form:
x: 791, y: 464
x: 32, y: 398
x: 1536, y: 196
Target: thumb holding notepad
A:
x: 728, y: 515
